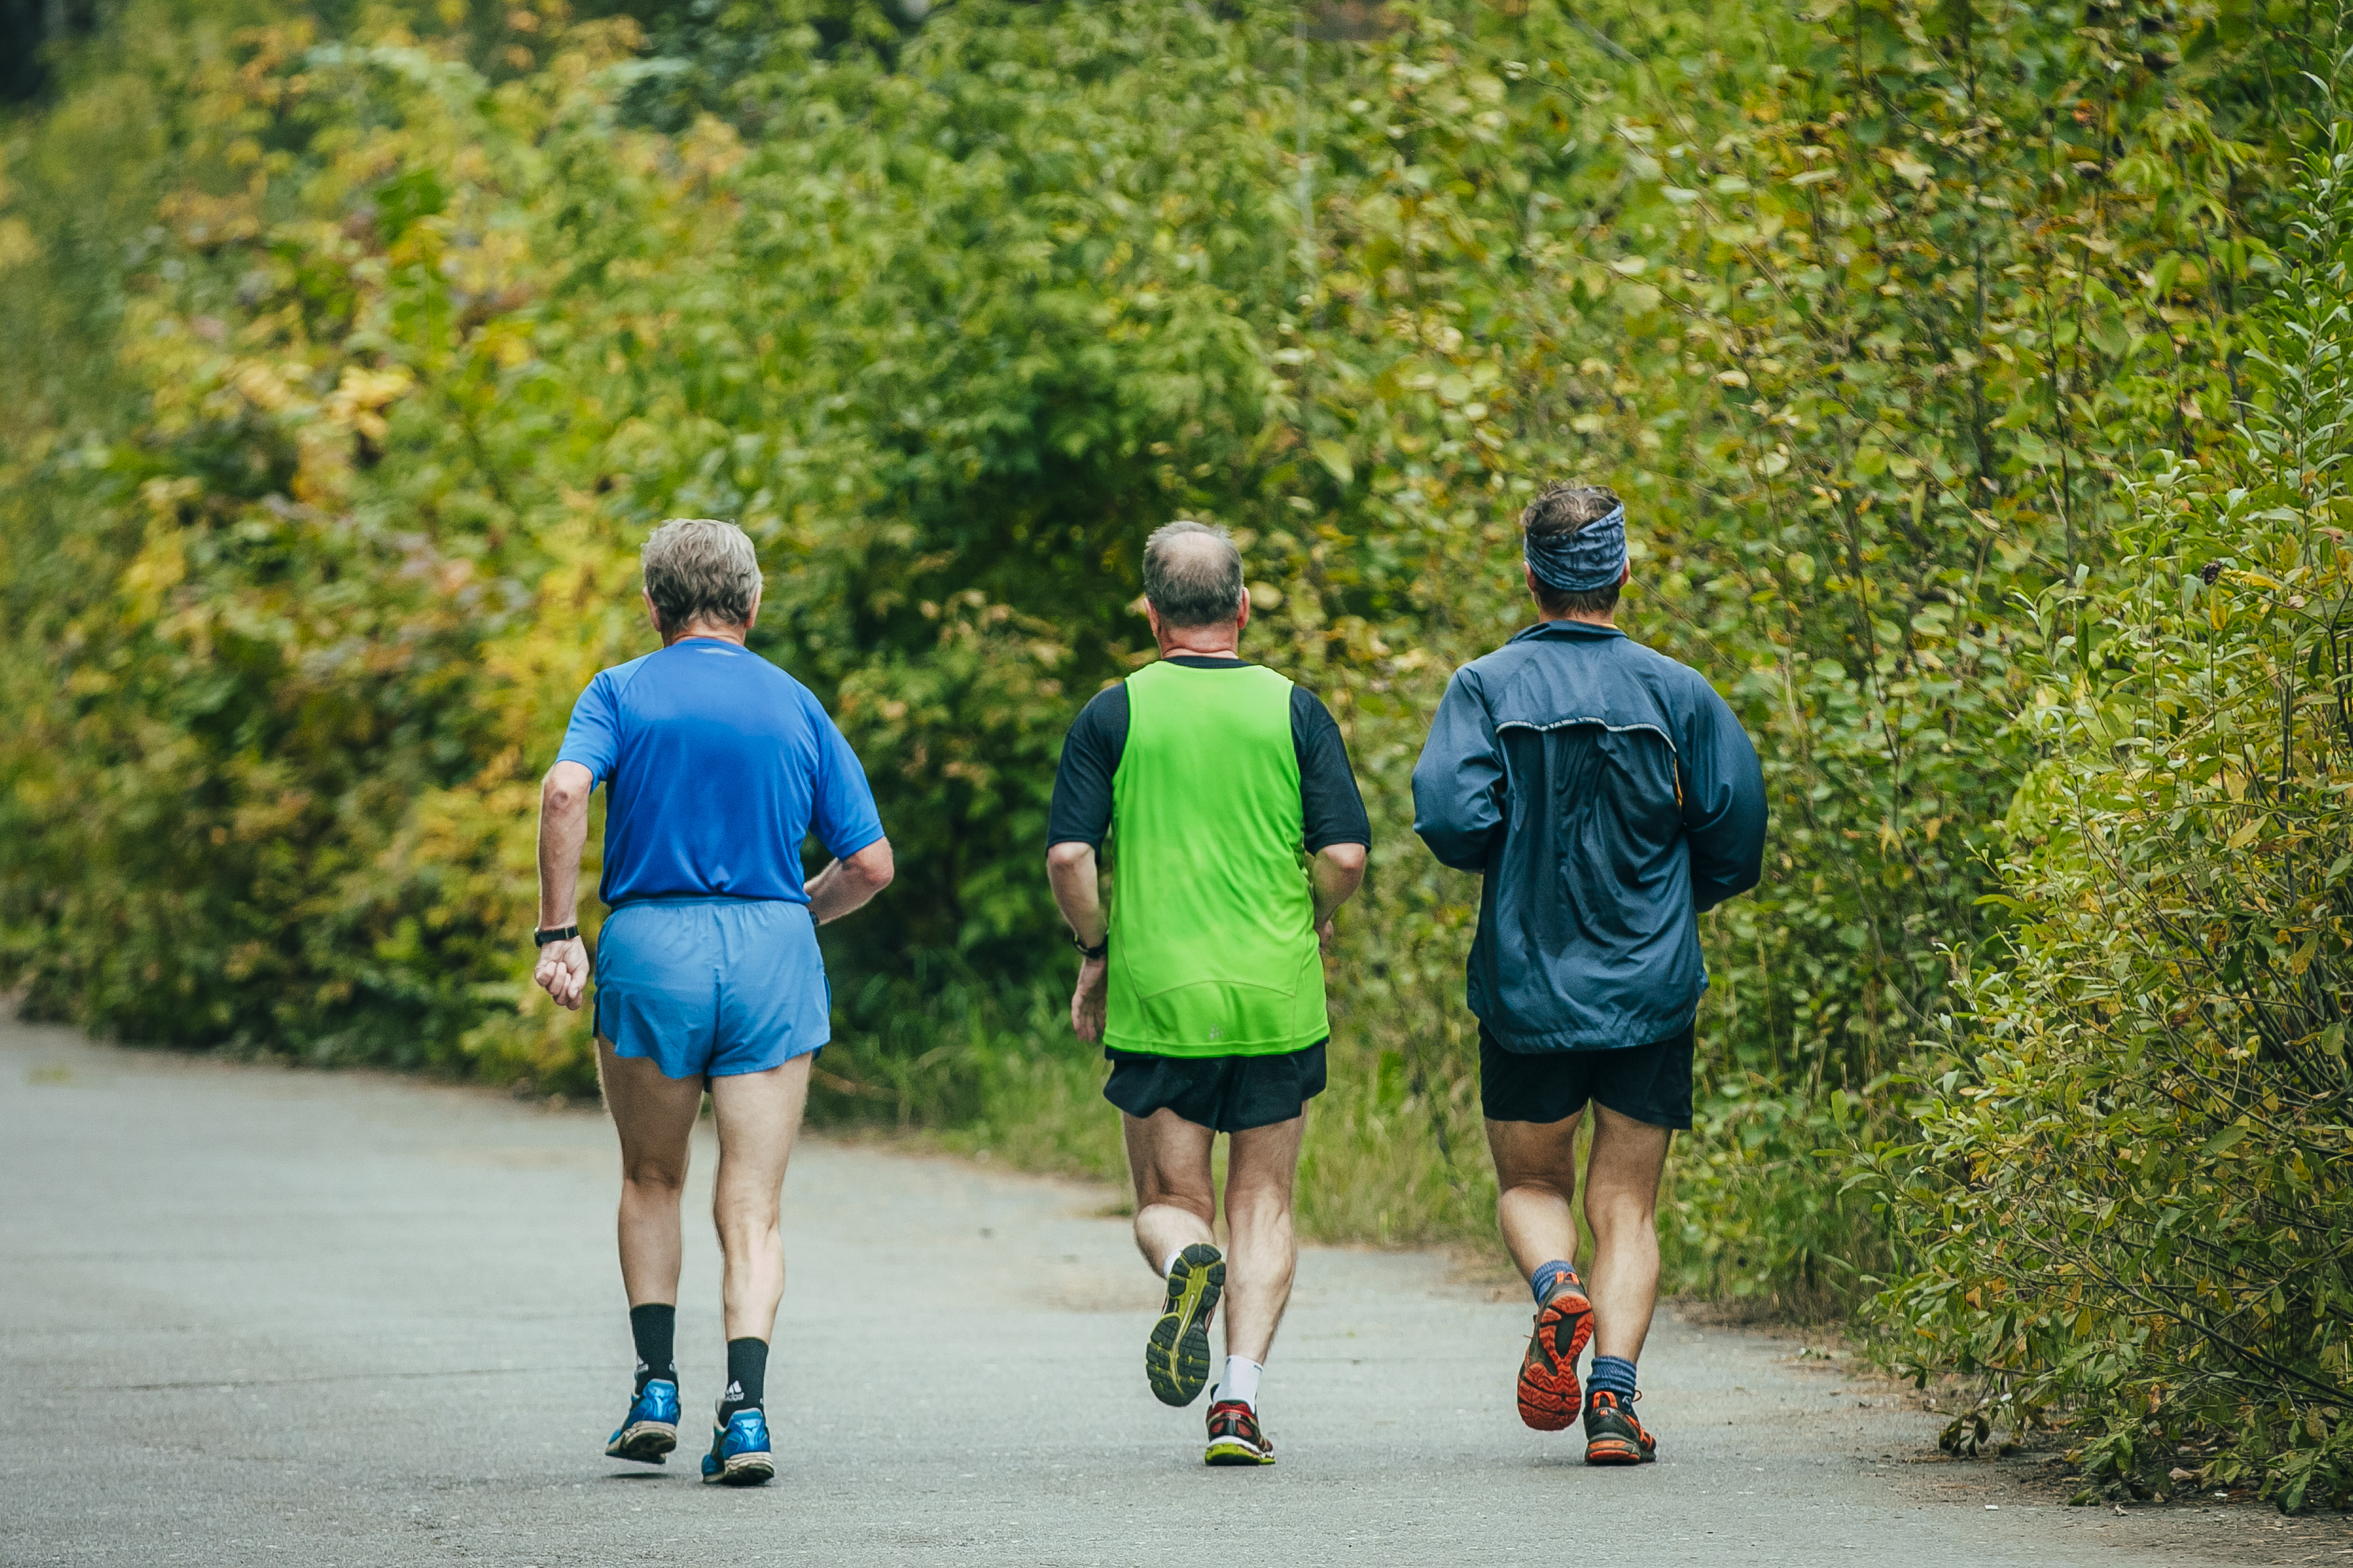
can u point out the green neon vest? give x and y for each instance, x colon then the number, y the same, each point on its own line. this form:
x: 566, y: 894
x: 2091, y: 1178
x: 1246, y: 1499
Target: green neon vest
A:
x: 1213, y: 950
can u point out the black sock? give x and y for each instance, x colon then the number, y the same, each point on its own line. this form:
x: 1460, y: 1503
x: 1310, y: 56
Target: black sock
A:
x: 655, y: 1328
x: 747, y: 1376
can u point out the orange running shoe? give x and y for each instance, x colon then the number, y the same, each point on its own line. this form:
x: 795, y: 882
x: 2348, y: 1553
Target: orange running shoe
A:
x: 1612, y: 1436
x: 1550, y: 1396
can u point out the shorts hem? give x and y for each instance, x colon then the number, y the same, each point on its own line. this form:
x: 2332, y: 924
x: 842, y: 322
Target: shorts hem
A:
x: 1651, y: 1084
x: 711, y: 1070
x: 1222, y: 1094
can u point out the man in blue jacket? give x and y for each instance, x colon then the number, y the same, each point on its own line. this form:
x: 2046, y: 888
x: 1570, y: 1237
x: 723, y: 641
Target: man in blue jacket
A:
x: 1607, y: 797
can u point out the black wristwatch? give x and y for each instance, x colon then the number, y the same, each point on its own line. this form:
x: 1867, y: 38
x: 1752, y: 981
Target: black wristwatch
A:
x: 541, y: 938
x: 1095, y: 951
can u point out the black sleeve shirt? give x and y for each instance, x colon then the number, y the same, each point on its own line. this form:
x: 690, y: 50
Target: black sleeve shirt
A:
x: 1333, y: 810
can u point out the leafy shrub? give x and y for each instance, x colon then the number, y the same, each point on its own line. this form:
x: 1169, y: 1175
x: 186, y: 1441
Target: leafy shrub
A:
x: 2131, y: 1203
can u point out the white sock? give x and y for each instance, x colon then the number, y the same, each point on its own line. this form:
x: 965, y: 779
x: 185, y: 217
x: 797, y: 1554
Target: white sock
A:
x: 1240, y: 1381
x: 1170, y: 1266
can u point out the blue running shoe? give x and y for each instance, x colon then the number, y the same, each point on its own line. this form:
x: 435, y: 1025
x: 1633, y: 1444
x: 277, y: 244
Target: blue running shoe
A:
x: 650, y: 1428
x: 739, y: 1451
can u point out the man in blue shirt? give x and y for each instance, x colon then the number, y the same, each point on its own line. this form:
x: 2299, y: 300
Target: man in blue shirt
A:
x: 1608, y: 796
x: 717, y: 766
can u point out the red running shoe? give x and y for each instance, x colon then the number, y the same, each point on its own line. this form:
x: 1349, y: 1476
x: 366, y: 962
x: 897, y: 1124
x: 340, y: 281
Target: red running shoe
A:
x: 1234, y: 1436
x: 1550, y: 1396
x: 1612, y: 1436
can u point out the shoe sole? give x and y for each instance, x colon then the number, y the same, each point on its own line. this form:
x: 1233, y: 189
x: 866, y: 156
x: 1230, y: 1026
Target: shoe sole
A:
x: 1226, y: 1451
x: 1177, y: 1357
x: 1617, y: 1451
x: 744, y: 1470
x: 1550, y: 1396
x: 645, y: 1443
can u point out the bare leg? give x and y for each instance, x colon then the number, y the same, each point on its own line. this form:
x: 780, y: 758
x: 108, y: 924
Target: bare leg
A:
x: 1261, y: 1166
x: 655, y: 1117
x: 1174, y: 1195
x: 759, y: 1115
x: 1621, y: 1206
x: 1535, y: 1178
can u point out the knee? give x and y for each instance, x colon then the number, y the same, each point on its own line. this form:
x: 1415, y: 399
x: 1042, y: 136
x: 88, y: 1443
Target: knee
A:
x: 1610, y: 1214
x: 646, y: 1177
x: 1533, y: 1187
x: 1250, y: 1209
x: 744, y: 1217
x: 1194, y: 1203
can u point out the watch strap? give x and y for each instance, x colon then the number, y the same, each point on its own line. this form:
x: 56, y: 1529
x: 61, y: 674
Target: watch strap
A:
x: 564, y: 933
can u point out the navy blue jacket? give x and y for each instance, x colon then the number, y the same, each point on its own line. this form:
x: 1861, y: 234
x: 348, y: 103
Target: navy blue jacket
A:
x: 1608, y: 796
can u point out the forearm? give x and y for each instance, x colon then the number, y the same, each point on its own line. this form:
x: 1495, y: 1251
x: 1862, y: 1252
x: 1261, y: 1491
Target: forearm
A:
x: 1335, y: 874
x: 845, y: 886
x: 562, y: 833
x: 1072, y: 871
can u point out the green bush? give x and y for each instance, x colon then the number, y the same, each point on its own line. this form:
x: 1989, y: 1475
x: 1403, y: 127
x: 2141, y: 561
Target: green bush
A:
x: 2131, y: 1203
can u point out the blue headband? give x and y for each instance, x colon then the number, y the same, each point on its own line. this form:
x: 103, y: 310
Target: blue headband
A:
x: 1592, y: 557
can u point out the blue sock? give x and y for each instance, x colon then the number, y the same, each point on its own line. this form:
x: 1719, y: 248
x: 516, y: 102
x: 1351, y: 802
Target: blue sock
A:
x: 1612, y: 1374
x: 1548, y: 1274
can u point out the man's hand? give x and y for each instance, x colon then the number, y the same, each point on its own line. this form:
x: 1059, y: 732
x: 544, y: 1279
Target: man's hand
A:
x: 1326, y: 937
x: 563, y: 972
x: 562, y: 968
x: 1087, y: 1002
x: 1071, y: 870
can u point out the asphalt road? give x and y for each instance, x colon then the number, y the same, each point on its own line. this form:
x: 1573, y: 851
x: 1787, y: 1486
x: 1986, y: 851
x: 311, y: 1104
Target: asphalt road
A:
x: 253, y: 1316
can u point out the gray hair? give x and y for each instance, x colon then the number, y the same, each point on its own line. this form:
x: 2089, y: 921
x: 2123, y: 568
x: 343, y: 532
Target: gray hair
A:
x: 1566, y: 507
x: 1193, y: 574
x: 698, y: 568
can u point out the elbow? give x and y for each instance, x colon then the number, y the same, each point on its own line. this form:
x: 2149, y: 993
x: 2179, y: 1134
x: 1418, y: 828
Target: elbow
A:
x: 1348, y: 859
x: 875, y: 865
x: 1071, y: 855
x: 1456, y: 852
x: 565, y: 789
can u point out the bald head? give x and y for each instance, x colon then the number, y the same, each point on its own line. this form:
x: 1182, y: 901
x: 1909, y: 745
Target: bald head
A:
x: 1193, y: 574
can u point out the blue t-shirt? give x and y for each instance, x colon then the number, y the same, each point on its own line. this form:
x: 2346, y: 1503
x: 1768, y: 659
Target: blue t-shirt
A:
x: 718, y: 766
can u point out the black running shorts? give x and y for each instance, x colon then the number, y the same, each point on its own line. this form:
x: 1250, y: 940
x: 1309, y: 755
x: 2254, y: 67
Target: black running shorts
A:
x: 1650, y: 1083
x: 1225, y: 1094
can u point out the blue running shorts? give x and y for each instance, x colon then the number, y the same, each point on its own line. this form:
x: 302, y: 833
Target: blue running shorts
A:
x: 711, y: 988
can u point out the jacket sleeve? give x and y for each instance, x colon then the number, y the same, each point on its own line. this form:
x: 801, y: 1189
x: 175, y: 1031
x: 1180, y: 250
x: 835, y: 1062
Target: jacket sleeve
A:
x: 1723, y: 802
x: 1458, y: 784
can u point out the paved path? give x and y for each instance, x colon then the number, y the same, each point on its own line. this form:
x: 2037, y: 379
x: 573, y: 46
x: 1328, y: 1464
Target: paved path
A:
x: 250, y: 1316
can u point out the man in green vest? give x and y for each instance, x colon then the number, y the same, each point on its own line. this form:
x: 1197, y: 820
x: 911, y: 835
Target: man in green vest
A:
x: 1237, y: 831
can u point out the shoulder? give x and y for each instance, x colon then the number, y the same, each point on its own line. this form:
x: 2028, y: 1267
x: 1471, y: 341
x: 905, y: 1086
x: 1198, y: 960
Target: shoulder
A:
x: 610, y: 683
x: 1491, y: 669
x: 1101, y: 724
x: 1671, y: 674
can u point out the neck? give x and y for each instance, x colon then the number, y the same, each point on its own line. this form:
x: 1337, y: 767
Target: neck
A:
x: 1201, y: 642
x: 1606, y: 619
x: 715, y: 630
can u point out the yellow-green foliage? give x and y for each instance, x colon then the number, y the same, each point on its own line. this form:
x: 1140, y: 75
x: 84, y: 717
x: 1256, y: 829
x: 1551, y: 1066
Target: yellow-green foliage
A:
x: 330, y: 418
x: 2132, y: 1194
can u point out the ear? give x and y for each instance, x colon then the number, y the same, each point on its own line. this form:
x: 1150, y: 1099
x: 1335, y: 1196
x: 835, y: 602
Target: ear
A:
x: 1241, y: 618
x: 753, y: 614
x: 1625, y: 573
x: 652, y: 614
x: 1530, y: 574
x: 1152, y: 618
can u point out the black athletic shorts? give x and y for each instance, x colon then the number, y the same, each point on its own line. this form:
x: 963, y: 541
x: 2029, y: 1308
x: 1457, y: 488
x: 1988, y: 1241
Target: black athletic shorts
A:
x: 1650, y: 1083
x: 1225, y: 1094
